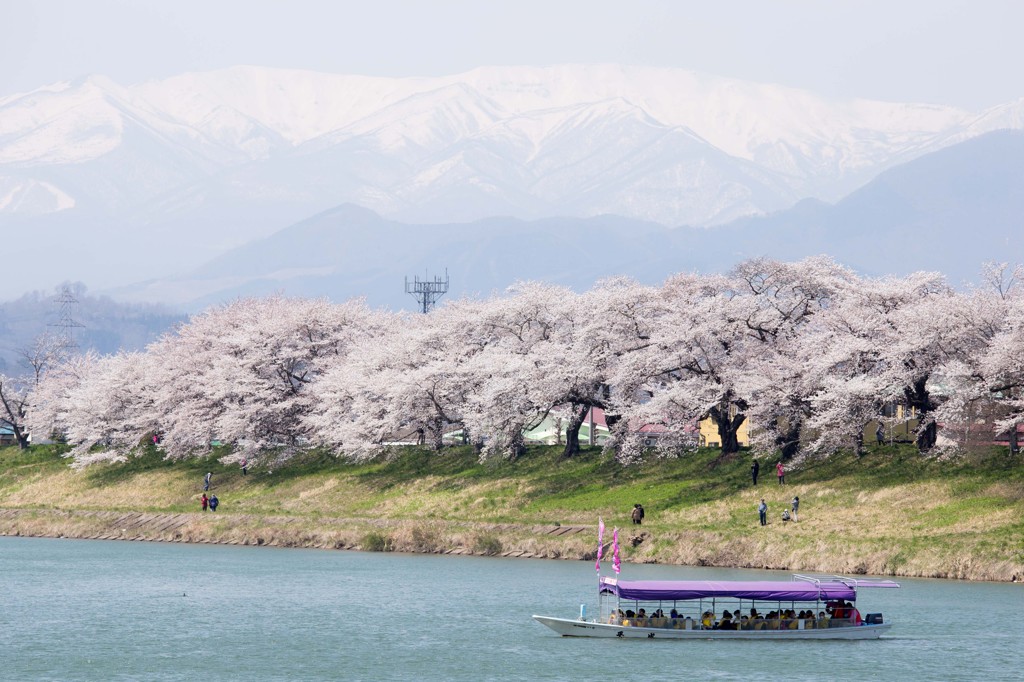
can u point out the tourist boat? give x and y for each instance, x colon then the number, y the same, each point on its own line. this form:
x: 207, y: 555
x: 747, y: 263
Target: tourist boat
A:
x: 695, y: 609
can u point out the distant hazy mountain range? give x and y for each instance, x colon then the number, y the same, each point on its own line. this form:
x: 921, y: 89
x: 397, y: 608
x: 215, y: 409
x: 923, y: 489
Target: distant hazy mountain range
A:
x: 948, y: 211
x: 110, y: 184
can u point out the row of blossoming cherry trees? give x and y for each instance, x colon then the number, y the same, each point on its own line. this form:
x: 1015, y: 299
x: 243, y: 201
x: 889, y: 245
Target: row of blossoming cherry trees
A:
x: 807, y: 353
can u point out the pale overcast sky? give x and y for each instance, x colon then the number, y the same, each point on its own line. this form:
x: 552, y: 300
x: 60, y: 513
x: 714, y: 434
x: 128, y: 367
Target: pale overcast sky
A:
x: 963, y: 53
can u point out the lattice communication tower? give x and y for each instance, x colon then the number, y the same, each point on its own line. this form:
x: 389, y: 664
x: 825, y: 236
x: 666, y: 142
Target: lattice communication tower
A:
x: 427, y: 291
x: 67, y: 322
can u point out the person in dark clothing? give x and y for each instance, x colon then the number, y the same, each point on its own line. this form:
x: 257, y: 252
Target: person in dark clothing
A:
x: 638, y: 514
x: 755, y: 469
x: 213, y: 503
x: 880, y: 434
x: 762, y: 511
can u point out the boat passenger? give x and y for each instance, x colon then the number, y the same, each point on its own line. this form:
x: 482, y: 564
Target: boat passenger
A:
x: 842, y: 612
x: 707, y: 620
x: 745, y: 623
x: 614, y: 618
x: 726, y: 622
x: 673, y: 614
x: 823, y: 621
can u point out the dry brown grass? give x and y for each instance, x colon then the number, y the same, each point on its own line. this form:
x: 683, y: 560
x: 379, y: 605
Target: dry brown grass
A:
x: 918, y: 528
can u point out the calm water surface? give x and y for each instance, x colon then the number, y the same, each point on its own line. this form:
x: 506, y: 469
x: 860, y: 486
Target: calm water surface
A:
x: 93, y: 610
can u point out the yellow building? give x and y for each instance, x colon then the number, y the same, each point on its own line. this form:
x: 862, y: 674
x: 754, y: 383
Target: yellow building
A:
x: 709, y: 437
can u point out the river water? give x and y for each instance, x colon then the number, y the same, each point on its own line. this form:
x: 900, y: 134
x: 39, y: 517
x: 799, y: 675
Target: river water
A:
x: 94, y: 610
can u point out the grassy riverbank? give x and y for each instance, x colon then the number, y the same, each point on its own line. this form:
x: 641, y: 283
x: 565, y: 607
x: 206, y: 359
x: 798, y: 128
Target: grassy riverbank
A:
x: 888, y: 512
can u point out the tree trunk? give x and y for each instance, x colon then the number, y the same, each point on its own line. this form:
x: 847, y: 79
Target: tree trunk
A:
x: 436, y: 434
x: 21, y: 437
x: 927, y: 437
x: 577, y: 415
x: 917, y: 397
x: 728, y: 427
x: 517, y: 448
x: 787, y: 440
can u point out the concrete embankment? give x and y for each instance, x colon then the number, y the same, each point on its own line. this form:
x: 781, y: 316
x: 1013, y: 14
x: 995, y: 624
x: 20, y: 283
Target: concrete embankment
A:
x: 429, y: 536
x: 441, y: 537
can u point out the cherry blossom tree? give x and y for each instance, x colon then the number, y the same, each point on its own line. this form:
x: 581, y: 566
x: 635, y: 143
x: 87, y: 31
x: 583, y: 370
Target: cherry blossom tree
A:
x: 240, y: 373
x: 775, y: 303
x: 518, y: 377
x: 45, y: 352
x: 808, y: 352
x: 406, y: 379
x: 688, y: 369
x: 879, y: 343
x: 982, y: 378
x: 110, y: 410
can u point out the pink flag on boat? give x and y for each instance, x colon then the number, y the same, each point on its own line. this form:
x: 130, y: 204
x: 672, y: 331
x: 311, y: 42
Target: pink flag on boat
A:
x: 615, y: 551
x: 600, y: 540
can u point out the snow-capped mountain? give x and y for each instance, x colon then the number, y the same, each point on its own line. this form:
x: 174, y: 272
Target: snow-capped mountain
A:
x: 676, y: 146
x: 190, y: 166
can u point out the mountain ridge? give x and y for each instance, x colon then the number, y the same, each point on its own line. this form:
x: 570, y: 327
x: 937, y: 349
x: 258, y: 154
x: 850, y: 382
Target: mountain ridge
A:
x: 922, y: 215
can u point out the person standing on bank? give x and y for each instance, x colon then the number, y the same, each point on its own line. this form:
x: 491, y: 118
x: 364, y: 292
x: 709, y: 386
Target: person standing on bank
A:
x: 780, y: 472
x: 204, y: 501
x: 762, y: 512
x: 880, y: 434
x: 213, y: 503
x: 638, y: 514
x: 206, y: 481
x: 755, y: 469
x: 796, y: 507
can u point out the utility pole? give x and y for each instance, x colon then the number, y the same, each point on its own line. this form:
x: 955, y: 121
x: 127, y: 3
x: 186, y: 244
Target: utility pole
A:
x: 67, y: 322
x: 427, y: 291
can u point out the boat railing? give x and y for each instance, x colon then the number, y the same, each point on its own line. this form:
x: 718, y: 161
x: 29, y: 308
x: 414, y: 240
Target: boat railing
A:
x: 685, y: 623
x: 846, y: 580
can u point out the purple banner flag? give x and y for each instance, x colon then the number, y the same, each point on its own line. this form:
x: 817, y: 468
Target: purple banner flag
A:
x: 600, y: 541
x: 615, y: 551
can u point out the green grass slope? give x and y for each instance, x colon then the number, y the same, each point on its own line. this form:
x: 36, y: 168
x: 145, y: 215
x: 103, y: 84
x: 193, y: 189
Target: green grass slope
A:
x: 888, y: 512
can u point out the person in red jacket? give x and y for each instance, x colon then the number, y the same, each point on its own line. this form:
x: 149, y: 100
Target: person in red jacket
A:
x: 780, y: 472
x: 204, y: 501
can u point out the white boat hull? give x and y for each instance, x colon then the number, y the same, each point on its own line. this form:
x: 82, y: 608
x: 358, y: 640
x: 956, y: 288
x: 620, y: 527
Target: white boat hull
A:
x: 579, y: 628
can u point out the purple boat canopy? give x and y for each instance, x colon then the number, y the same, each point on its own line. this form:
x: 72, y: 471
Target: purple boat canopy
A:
x: 678, y: 590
